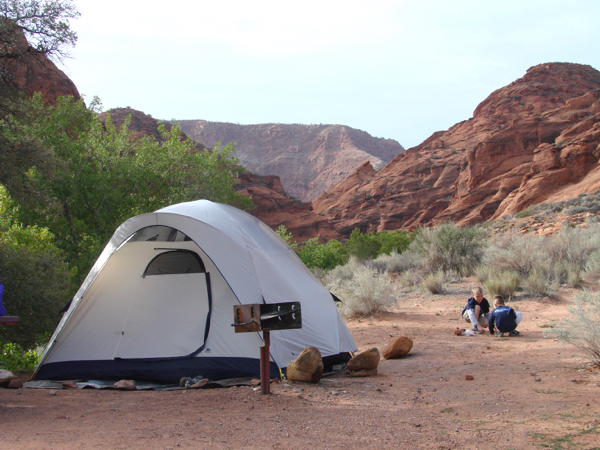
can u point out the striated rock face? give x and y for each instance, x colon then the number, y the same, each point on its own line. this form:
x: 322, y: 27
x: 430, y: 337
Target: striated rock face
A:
x: 534, y: 140
x: 33, y: 72
x: 273, y: 205
x: 308, y: 158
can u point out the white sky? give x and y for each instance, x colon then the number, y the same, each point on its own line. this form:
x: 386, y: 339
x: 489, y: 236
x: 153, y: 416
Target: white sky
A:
x: 397, y: 69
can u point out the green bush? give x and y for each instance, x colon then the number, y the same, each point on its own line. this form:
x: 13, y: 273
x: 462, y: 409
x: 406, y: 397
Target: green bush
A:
x: 37, y: 284
x: 14, y: 358
x: 363, y: 246
x: 582, y: 327
x: 325, y: 256
x: 450, y: 248
x: 540, y: 283
x: 393, y: 241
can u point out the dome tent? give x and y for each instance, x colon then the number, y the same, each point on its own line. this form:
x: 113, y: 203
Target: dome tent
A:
x: 158, y: 303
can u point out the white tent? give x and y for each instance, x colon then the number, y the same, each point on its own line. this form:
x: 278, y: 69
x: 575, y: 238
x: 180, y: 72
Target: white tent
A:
x: 158, y: 303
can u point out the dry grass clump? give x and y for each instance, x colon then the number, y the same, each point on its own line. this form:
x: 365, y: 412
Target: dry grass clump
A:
x: 434, y: 282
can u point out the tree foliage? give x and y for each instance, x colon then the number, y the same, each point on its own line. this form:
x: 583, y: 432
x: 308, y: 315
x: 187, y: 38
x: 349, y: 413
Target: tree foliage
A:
x: 44, y: 23
x: 37, y: 280
x: 102, y: 175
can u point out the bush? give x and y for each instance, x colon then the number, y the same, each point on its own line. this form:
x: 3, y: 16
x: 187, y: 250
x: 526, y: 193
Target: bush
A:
x: 393, y: 241
x: 540, y: 283
x: 364, y: 291
x: 450, y: 248
x: 37, y: 284
x: 582, y: 327
x: 325, y: 256
x: 395, y: 262
x: 14, y: 358
x: 434, y: 282
x: 363, y: 246
x: 519, y: 253
x: 503, y: 283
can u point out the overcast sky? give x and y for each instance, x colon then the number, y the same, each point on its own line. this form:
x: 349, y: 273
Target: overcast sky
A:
x: 396, y: 69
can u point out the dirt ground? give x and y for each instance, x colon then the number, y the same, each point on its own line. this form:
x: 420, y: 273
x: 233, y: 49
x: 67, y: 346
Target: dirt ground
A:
x: 528, y: 392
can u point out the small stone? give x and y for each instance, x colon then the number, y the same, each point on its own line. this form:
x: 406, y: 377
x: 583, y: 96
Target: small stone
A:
x: 128, y: 385
x: 469, y: 377
x: 15, y: 383
x: 52, y: 392
x: 538, y: 380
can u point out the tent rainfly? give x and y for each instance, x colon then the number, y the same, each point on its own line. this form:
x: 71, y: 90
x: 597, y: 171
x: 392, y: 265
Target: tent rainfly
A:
x: 158, y: 303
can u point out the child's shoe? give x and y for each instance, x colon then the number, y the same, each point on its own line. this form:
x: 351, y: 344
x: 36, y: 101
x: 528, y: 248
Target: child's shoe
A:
x: 498, y: 333
x: 514, y: 333
x: 476, y: 330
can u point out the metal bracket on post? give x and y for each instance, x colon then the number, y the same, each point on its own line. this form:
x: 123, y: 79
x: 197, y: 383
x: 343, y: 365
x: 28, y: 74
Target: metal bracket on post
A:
x: 266, y: 317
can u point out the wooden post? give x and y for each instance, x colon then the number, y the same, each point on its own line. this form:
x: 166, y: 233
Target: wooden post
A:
x: 265, y: 366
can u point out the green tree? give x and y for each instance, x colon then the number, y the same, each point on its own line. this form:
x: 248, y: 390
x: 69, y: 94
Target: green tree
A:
x: 101, y: 176
x: 397, y: 240
x: 37, y: 281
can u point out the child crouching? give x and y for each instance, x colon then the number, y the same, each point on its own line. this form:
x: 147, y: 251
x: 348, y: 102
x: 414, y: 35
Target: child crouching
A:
x: 504, y: 318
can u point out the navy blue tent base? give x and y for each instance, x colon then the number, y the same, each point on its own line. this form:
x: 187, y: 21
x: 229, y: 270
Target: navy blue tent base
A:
x: 168, y: 371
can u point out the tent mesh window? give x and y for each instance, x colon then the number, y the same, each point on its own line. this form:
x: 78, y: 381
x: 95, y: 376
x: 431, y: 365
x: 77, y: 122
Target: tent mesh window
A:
x: 175, y: 262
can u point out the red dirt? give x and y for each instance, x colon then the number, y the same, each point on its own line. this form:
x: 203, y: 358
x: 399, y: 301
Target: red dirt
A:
x: 528, y: 392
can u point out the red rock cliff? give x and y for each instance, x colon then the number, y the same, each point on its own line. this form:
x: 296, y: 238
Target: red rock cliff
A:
x: 534, y: 140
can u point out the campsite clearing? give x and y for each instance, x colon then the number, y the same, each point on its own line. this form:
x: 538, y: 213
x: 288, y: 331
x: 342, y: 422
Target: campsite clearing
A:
x: 527, y: 392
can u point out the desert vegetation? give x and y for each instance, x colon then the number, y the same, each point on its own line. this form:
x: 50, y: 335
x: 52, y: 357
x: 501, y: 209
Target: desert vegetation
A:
x: 371, y: 272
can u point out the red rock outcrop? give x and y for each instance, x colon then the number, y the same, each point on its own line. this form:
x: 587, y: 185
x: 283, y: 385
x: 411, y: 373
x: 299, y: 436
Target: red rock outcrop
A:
x: 534, y: 140
x: 308, y: 158
x: 33, y: 72
x: 273, y: 205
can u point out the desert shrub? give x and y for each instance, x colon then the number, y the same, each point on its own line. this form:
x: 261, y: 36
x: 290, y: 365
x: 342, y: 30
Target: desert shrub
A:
x: 342, y: 273
x: 571, y: 211
x: 14, y: 358
x: 434, y: 282
x: 574, y: 245
x: 363, y: 290
x: 395, y: 262
x: 540, y: 282
x: 482, y: 273
x: 449, y: 248
x: 582, y: 327
x: 325, y: 256
x: 519, y: 253
x: 411, y: 278
x: 504, y: 283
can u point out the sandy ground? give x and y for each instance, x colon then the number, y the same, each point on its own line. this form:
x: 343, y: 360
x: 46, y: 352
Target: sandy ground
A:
x: 528, y: 392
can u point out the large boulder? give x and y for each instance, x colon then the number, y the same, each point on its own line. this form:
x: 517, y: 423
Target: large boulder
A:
x: 6, y: 376
x: 307, y: 367
x: 364, y: 360
x: 397, y: 348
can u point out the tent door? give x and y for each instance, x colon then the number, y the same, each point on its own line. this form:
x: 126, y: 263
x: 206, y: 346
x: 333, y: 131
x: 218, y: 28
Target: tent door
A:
x: 167, y: 317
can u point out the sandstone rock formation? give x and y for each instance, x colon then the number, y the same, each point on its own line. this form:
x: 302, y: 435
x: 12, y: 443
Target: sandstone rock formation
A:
x: 308, y: 158
x: 273, y: 205
x: 534, y: 140
x: 34, y: 72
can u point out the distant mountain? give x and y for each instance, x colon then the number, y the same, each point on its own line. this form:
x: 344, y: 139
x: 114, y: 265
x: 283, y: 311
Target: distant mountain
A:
x: 535, y: 140
x: 308, y: 158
